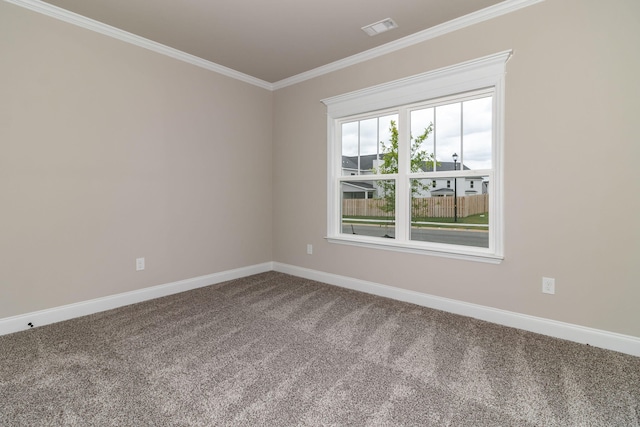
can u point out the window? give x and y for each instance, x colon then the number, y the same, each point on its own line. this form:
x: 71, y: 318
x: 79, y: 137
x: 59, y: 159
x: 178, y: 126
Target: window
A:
x: 393, y: 147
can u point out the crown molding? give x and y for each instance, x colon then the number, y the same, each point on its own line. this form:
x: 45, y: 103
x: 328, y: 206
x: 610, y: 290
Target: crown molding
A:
x: 486, y: 14
x: 116, y: 33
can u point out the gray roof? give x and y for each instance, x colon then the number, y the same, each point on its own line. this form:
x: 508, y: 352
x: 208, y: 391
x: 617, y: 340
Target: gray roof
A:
x: 366, y: 164
x: 364, y: 185
x: 442, y: 191
x: 443, y: 166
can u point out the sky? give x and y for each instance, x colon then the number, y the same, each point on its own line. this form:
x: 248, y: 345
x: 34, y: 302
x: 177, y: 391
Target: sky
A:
x: 463, y: 128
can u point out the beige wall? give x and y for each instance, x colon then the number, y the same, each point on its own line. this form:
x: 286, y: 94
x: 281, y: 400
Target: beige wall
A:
x: 572, y: 185
x: 109, y: 152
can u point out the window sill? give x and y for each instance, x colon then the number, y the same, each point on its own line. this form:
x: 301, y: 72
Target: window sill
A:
x: 445, y: 251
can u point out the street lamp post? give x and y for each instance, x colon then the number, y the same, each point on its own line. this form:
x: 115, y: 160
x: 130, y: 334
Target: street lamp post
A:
x: 455, y: 188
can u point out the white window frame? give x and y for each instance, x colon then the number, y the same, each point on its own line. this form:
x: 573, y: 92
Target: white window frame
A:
x: 483, y: 73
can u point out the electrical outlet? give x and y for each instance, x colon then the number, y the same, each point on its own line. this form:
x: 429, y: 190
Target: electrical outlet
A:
x: 548, y: 285
x: 309, y: 249
x: 139, y: 264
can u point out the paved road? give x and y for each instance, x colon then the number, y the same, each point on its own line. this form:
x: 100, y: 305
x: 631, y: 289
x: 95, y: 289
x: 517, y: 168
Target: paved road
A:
x: 476, y: 238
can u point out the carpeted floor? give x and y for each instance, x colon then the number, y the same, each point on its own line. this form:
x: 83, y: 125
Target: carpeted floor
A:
x: 277, y: 350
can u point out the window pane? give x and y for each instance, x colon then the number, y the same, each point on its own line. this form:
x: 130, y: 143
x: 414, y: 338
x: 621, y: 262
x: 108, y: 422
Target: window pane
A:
x: 369, y: 137
x: 421, y: 123
x: 477, y: 124
x: 363, y: 144
x: 350, y: 139
x: 447, y: 134
x: 350, y: 148
x: 368, y: 208
x: 438, y: 216
x: 387, y: 161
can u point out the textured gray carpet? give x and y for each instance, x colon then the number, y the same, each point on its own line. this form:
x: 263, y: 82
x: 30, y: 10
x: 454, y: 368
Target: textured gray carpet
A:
x: 276, y: 350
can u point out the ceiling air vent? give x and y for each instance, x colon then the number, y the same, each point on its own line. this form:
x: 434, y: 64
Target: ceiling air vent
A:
x: 380, y: 27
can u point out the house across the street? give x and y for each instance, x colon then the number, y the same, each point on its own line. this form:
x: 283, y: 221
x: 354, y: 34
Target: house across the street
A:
x: 439, y: 187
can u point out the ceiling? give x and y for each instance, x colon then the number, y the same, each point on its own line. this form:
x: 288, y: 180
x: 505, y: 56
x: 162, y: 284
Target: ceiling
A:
x: 271, y: 40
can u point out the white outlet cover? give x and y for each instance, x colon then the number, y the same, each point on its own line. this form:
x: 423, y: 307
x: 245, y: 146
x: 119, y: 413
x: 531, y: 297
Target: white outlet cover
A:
x: 139, y: 264
x: 548, y: 285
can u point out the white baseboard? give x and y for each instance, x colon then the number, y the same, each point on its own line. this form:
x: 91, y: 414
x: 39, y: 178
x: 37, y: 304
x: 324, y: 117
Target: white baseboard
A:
x: 580, y: 334
x: 57, y: 314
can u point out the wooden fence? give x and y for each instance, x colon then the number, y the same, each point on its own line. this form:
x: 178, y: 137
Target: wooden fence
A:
x: 435, y: 207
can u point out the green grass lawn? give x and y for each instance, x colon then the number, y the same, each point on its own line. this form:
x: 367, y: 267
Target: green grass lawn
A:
x: 479, y: 219
x: 472, y: 219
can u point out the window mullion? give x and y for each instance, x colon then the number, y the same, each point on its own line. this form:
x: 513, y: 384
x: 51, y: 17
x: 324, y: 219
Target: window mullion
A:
x: 334, y: 196
x: 403, y: 189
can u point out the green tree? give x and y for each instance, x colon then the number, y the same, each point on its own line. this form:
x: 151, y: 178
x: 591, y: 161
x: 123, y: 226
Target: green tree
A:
x: 420, y: 162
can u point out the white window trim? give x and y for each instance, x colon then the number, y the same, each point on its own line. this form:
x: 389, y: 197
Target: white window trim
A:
x: 468, y: 76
